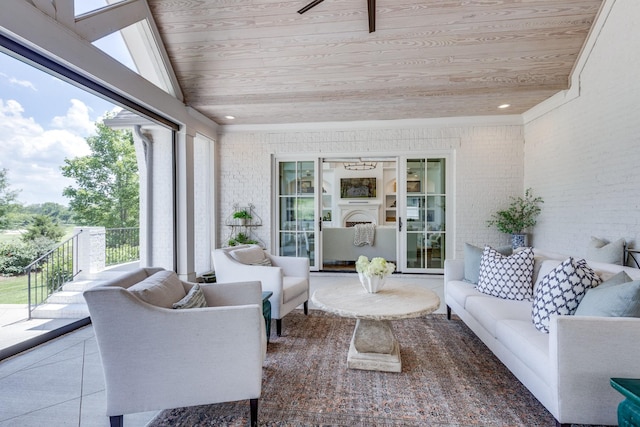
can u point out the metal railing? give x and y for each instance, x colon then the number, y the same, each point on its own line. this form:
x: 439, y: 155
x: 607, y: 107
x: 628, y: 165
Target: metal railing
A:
x: 122, y: 245
x: 48, y: 273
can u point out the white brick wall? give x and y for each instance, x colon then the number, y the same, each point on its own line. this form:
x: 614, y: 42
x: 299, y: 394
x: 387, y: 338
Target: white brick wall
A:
x: 488, y: 164
x: 583, y: 157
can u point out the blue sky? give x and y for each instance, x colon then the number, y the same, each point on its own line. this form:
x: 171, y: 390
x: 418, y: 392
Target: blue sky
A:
x: 44, y: 120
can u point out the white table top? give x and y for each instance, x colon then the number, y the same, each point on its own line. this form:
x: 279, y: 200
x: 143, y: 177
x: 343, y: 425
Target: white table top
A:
x: 395, y: 301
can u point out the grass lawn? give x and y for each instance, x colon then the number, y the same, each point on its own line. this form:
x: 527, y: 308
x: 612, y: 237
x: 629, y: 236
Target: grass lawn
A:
x: 13, y: 290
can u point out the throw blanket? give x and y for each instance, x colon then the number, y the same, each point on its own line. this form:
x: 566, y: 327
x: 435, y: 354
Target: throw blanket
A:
x: 363, y: 234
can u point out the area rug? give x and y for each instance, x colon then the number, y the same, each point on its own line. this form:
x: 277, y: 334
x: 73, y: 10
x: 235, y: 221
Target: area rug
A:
x: 448, y: 378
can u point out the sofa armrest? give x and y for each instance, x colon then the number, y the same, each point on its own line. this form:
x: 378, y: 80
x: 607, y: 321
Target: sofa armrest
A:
x: 453, y: 270
x: 585, y: 352
x: 226, y: 294
x: 291, y: 266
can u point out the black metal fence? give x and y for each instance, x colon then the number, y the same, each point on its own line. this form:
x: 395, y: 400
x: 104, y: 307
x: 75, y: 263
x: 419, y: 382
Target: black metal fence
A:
x: 48, y: 273
x: 122, y: 245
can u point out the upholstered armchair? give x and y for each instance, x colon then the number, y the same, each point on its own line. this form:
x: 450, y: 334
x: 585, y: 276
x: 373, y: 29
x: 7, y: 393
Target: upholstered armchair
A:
x: 157, y: 357
x: 286, y: 277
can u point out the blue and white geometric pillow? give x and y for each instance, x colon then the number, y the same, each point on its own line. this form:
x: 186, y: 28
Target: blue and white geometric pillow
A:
x: 507, y: 277
x: 561, y: 290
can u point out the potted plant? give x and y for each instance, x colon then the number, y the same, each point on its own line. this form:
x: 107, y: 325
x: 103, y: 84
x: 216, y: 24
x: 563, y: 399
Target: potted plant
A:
x: 242, y: 216
x: 241, y: 239
x: 521, y: 214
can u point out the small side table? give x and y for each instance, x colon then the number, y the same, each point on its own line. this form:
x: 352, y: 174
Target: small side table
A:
x: 629, y: 409
x: 266, y: 311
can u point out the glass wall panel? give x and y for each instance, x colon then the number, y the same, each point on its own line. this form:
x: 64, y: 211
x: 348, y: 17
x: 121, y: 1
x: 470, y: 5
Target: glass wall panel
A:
x: 297, y: 209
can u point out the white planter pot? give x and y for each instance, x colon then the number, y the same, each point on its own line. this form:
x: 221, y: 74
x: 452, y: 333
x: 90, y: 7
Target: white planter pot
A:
x: 372, y: 284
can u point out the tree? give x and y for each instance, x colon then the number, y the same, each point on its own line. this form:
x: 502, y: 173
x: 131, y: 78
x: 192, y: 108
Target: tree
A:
x: 43, y: 226
x: 106, y: 190
x: 7, y: 197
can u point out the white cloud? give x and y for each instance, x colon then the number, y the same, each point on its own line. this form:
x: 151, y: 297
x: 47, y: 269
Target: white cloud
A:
x: 33, y: 155
x: 18, y: 82
x: 76, y: 120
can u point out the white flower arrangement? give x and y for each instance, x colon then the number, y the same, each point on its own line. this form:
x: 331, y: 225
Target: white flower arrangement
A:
x: 378, y: 266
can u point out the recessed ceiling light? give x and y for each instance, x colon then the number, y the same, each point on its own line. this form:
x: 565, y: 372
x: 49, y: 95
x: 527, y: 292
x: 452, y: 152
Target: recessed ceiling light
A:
x: 229, y: 117
x: 504, y: 106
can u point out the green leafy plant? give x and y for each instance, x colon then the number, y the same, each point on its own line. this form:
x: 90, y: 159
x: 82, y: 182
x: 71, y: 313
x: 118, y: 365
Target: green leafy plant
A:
x: 243, y: 214
x: 521, y: 214
x: 241, y: 239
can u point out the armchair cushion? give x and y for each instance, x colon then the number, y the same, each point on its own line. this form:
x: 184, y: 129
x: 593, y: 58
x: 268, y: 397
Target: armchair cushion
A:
x: 193, y: 299
x: 252, y: 255
x: 293, y: 286
x: 161, y: 289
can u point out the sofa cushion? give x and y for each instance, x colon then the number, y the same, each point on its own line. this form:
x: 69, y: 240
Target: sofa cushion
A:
x: 561, y: 290
x: 617, y: 297
x: 161, y: 289
x: 472, y: 257
x: 526, y: 343
x: 193, y: 299
x: 292, y: 287
x: 608, y: 252
x: 507, y: 277
x: 488, y: 311
x: 460, y: 291
x: 253, y: 255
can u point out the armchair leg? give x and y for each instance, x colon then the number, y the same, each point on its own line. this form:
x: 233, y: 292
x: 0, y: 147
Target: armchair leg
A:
x: 448, y: 313
x: 116, y: 420
x: 253, y: 406
x: 279, y: 327
x: 306, y: 308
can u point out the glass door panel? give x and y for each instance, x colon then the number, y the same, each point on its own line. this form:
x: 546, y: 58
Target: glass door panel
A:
x: 296, y: 209
x: 425, y: 214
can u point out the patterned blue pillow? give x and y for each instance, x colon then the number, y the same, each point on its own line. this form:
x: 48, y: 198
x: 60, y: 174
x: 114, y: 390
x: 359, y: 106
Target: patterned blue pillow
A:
x: 507, y: 277
x: 561, y: 290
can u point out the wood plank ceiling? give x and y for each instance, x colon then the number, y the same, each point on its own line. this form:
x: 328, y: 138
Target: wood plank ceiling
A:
x: 262, y: 62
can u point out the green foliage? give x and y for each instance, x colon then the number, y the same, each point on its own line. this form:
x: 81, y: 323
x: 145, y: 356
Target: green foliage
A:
x: 521, y: 214
x: 7, y: 197
x: 16, y: 255
x: 56, y: 211
x: 243, y: 214
x: 43, y: 226
x: 241, y: 239
x: 106, y: 189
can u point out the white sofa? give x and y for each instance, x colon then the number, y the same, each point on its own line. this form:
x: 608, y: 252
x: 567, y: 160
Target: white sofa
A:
x: 157, y: 357
x: 337, y: 244
x: 567, y: 370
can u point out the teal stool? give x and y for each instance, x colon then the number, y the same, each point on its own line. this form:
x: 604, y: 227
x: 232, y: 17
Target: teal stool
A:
x: 266, y: 311
x: 629, y: 409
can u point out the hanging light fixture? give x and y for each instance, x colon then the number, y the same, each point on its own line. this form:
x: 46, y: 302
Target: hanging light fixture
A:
x: 360, y: 166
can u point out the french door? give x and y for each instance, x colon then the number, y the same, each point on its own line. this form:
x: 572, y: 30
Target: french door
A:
x: 296, y: 209
x: 423, y: 218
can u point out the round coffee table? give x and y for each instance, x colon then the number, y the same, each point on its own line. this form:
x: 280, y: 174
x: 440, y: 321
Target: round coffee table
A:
x: 373, y: 345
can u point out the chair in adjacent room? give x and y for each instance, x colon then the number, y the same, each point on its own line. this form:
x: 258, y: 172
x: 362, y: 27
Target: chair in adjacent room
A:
x: 286, y: 277
x: 165, y: 343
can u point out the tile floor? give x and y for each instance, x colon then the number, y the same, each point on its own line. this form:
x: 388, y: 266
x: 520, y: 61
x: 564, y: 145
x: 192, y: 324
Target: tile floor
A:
x: 60, y: 383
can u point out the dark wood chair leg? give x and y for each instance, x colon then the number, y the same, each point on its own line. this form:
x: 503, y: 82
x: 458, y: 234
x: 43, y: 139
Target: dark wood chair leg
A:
x: 116, y: 420
x: 279, y: 327
x: 253, y: 406
x: 306, y: 308
x: 448, y: 313
x: 559, y: 424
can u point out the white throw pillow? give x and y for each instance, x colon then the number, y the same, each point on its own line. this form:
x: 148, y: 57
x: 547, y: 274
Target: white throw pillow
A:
x: 609, y: 252
x: 561, y: 290
x: 507, y: 277
x: 253, y: 255
x: 161, y: 289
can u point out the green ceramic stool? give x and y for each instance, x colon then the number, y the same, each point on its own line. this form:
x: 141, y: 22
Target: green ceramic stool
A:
x: 629, y: 409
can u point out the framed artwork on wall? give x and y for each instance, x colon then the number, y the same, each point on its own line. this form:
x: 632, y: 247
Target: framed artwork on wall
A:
x: 413, y: 187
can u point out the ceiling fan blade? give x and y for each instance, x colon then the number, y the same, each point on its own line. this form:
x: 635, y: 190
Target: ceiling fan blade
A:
x: 309, y: 6
x: 371, y: 5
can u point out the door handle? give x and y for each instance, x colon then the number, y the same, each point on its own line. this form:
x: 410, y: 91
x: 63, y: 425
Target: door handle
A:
x: 399, y: 224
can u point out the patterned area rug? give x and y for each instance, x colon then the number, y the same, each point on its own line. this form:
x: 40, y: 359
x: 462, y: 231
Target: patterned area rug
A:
x: 449, y: 378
